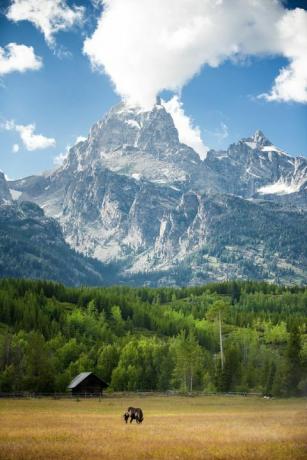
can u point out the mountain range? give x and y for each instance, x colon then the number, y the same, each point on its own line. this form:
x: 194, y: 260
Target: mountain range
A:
x: 149, y: 210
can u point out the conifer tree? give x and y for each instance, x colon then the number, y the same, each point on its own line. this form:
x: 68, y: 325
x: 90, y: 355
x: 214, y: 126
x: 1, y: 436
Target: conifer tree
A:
x: 294, y: 363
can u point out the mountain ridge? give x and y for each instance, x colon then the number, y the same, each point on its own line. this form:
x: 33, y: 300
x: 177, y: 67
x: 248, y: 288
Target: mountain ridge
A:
x: 133, y: 195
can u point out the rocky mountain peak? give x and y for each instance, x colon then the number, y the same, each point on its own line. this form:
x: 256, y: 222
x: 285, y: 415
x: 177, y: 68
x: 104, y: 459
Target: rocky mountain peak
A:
x: 138, y: 143
x: 260, y: 139
x: 126, y: 129
x: 257, y: 141
x: 133, y: 195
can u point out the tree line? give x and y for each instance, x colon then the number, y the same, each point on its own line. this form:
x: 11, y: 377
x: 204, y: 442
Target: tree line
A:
x: 231, y: 336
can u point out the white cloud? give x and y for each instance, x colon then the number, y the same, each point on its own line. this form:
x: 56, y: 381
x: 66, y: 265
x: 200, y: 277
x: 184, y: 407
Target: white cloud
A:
x: 188, y: 134
x: 30, y: 140
x: 15, y: 148
x: 147, y: 46
x: 8, y: 125
x: 34, y: 141
x: 291, y: 83
x: 50, y: 16
x: 18, y: 58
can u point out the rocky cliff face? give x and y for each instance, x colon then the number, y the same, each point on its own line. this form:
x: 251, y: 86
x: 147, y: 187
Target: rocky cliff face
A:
x: 5, y: 196
x: 32, y: 246
x: 136, y: 143
x: 132, y: 194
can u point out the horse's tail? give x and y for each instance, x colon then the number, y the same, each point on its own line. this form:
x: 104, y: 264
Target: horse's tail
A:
x: 141, y: 416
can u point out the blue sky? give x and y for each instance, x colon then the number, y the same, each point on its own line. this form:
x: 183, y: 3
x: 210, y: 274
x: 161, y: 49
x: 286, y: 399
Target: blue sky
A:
x: 66, y: 96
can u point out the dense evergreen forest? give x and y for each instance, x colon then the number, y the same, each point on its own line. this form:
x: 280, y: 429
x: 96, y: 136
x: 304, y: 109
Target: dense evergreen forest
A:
x: 232, y: 336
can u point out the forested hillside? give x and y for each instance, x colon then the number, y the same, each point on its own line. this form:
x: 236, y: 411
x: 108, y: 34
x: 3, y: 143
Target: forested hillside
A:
x: 154, y: 339
x: 32, y: 246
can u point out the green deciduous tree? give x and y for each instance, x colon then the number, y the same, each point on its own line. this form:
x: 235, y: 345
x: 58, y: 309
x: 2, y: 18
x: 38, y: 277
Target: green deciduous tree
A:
x: 218, y: 312
x: 189, y: 361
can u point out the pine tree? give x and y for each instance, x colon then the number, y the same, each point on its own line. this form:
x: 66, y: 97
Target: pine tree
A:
x: 270, y: 378
x: 294, y: 363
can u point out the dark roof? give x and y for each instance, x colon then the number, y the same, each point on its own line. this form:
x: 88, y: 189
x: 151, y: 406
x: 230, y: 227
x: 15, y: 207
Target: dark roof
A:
x: 77, y: 380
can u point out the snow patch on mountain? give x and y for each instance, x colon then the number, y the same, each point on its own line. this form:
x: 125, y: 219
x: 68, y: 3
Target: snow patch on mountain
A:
x: 273, y: 148
x: 15, y: 193
x: 133, y: 123
x: 279, y: 188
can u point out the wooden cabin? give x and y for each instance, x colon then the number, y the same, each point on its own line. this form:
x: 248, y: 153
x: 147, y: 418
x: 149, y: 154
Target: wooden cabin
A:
x: 87, y: 383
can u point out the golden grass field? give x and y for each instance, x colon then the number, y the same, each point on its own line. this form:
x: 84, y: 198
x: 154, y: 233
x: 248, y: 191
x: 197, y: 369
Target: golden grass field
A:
x: 174, y: 428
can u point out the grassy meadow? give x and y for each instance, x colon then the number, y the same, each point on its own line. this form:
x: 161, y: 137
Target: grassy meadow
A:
x: 209, y: 427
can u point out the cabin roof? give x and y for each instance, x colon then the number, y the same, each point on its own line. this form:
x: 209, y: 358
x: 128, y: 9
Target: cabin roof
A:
x: 83, y: 376
x: 78, y: 379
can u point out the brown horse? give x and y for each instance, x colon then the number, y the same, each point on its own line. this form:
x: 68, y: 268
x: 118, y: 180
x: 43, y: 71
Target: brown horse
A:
x: 134, y: 413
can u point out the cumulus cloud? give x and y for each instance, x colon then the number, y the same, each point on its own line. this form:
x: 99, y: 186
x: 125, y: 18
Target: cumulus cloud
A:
x: 291, y: 83
x: 15, y: 148
x: 147, y: 46
x: 34, y: 141
x: 188, y: 133
x: 30, y: 140
x: 49, y: 16
x: 18, y: 58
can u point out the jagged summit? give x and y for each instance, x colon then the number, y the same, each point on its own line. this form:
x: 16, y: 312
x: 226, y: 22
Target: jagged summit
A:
x: 131, y: 127
x: 257, y: 141
x: 132, y: 194
x: 136, y: 142
x: 260, y: 138
x: 144, y: 144
x: 127, y: 108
